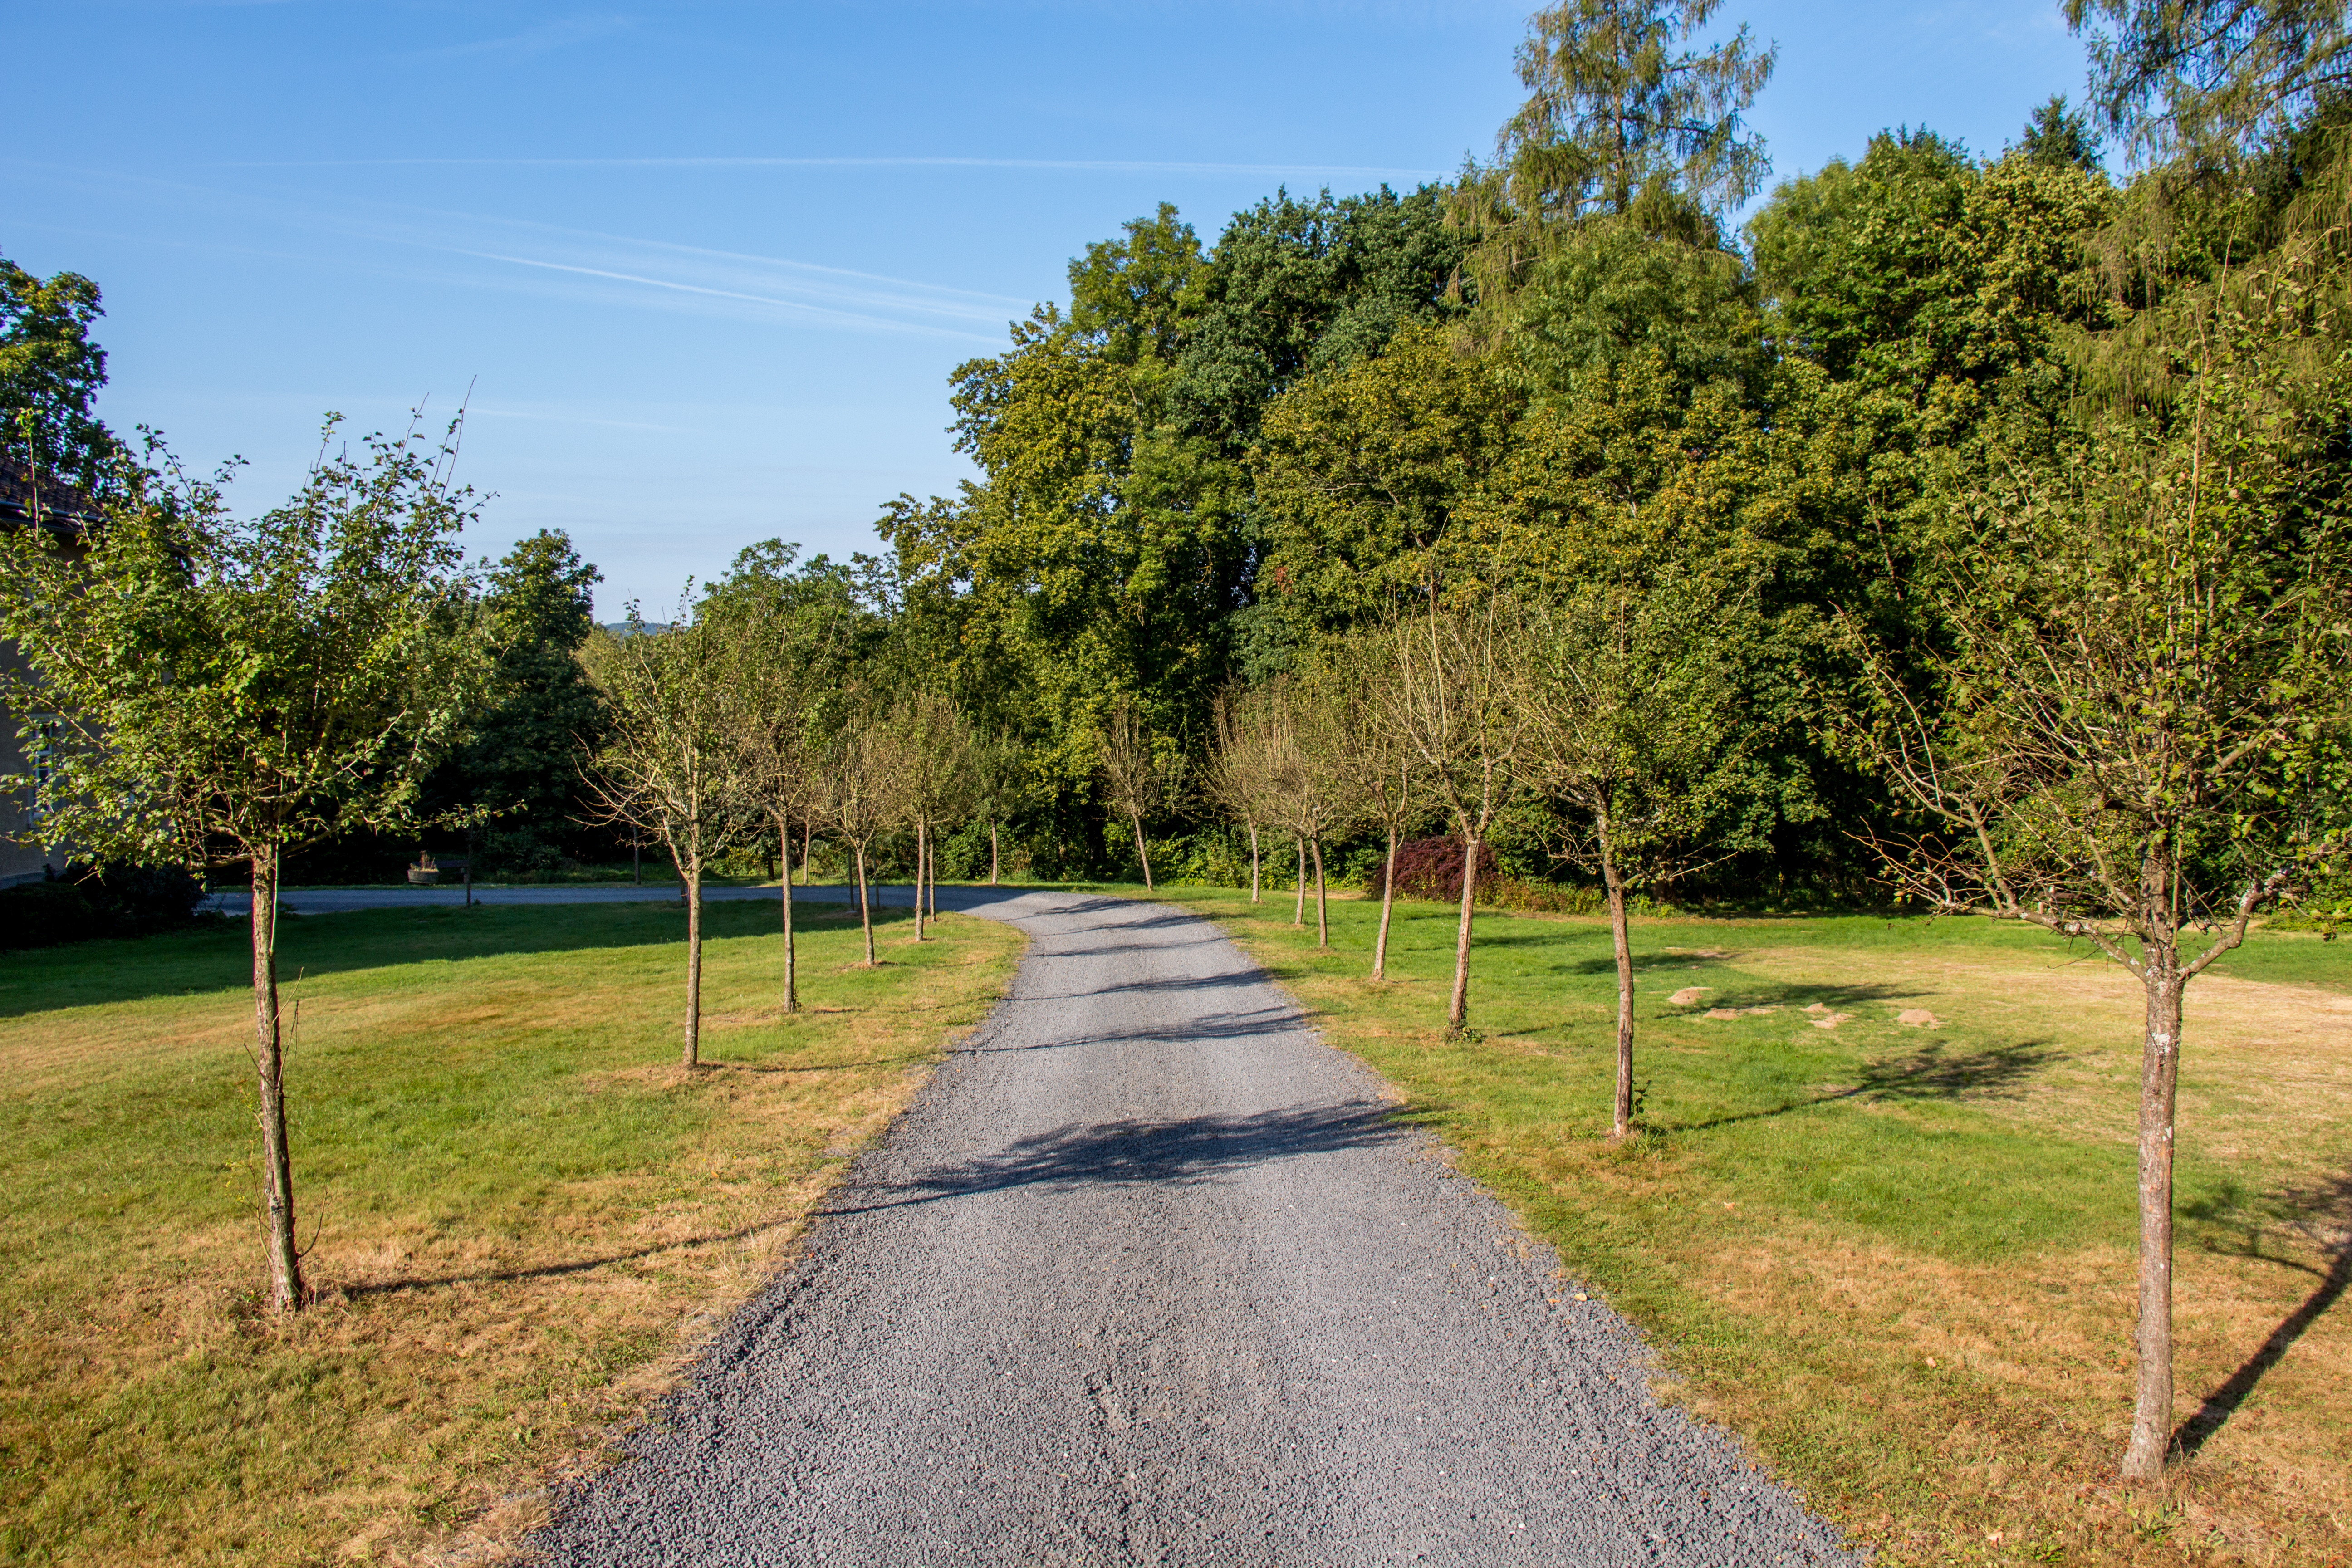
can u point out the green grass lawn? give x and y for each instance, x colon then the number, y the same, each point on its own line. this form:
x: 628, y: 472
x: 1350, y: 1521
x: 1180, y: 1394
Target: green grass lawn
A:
x: 519, y: 1210
x: 1900, y: 1257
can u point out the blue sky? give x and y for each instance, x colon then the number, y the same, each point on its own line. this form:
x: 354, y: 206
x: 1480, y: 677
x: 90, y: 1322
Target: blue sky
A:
x: 706, y: 266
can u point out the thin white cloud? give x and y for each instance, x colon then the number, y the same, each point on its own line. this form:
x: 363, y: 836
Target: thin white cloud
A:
x: 816, y: 314
x: 561, y: 32
x: 609, y: 269
x: 1068, y: 165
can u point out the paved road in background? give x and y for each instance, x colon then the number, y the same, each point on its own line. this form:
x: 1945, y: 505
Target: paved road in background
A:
x: 1148, y: 1274
x: 339, y: 901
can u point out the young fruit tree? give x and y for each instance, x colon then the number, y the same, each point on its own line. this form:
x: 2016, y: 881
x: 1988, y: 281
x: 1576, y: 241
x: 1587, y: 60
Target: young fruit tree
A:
x: 1318, y: 785
x: 1632, y: 731
x: 668, y: 768
x: 929, y: 747
x: 210, y: 692
x: 778, y: 658
x: 1244, y: 775
x: 1002, y: 788
x: 1139, y: 778
x: 2133, y: 733
x: 1453, y: 705
x: 1374, y: 776
x: 862, y: 796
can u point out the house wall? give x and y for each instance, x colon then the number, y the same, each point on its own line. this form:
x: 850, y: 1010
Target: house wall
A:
x: 19, y: 861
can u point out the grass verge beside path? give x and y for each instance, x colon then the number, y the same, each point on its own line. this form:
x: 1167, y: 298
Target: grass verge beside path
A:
x: 1900, y: 1257
x: 524, y: 1210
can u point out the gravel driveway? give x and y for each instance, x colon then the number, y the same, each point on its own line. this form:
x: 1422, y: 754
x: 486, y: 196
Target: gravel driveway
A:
x: 1146, y: 1275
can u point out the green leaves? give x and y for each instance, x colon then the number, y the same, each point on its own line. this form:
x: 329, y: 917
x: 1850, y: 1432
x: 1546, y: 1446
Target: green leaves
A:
x: 219, y: 686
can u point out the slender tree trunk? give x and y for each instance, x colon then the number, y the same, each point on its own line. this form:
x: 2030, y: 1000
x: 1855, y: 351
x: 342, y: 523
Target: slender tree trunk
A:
x: 1623, y: 938
x: 2159, y: 1082
x: 865, y: 908
x: 992, y: 854
x: 1322, y: 907
x: 1255, y: 897
x: 1388, y: 903
x: 922, y: 855
x: 1141, y: 854
x: 692, y: 1057
x: 934, y: 878
x: 1298, y: 906
x: 1457, y: 1010
x: 286, y: 1293
x: 784, y: 886
x: 636, y: 858
x: 808, y: 848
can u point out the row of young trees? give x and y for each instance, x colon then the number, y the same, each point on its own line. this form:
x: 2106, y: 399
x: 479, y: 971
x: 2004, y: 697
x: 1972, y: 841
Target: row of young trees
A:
x: 780, y: 706
x: 1614, y: 712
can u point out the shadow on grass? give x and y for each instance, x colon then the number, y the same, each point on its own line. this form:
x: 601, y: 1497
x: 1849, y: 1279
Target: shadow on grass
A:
x: 722, y: 1065
x: 217, y: 958
x: 1646, y: 962
x: 2328, y: 1209
x: 1929, y: 1073
x: 1793, y: 995
x: 1130, y: 1154
x: 546, y: 1270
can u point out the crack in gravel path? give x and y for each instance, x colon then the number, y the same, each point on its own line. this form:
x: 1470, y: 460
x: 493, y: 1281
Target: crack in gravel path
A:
x: 1148, y: 1274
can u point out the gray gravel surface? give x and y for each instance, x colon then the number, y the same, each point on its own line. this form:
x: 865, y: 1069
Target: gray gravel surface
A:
x: 1148, y: 1274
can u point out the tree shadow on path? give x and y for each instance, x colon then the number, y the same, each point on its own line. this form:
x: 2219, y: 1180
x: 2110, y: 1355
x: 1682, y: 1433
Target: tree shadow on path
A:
x: 1129, y: 1152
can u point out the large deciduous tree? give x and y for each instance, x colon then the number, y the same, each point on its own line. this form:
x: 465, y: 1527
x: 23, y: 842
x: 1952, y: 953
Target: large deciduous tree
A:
x: 518, y: 774
x: 208, y: 691
x: 50, y: 373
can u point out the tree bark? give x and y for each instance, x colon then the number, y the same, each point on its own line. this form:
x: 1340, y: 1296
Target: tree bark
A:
x: 784, y: 849
x: 991, y: 854
x: 865, y: 908
x: 1253, y: 881
x: 934, y: 873
x: 693, y: 1053
x: 1142, y: 855
x: 1622, y: 941
x: 1457, y: 1010
x: 1388, y: 903
x: 637, y: 860
x: 1322, y: 906
x: 2159, y: 1082
x: 1298, y: 906
x: 286, y: 1293
x: 922, y: 852
x: 808, y: 848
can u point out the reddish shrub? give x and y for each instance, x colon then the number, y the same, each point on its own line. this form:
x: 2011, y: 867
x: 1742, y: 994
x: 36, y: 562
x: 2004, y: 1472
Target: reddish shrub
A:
x: 1431, y: 869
